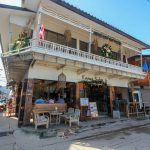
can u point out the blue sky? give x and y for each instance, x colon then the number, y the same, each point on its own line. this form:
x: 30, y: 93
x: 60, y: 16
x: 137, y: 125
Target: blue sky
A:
x: 130, y: 16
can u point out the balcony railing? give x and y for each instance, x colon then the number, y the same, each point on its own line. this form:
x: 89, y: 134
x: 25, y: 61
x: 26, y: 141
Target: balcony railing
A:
x: 62, y: 51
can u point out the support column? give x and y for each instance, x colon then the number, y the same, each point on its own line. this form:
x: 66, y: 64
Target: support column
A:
x: 18, y: 99
x: 22, y: 104
x: 112, y: 97
x: 10, y: 34
x: 78, y: 44
x: 90, y: 37
x: 14, y: 96
x: 79, y: 87
x: 26, y: 102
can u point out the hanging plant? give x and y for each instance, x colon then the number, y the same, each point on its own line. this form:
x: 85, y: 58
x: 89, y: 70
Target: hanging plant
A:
x: 95, y: 44
x: 105, y: 51
x: 21, y: 42
x: 67, y: 35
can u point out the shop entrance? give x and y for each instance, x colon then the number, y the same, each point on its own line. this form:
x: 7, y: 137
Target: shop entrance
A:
x: 51, y: 90
x: 100, y: 95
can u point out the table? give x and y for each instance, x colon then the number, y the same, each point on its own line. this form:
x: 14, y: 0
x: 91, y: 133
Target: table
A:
x: 55, y: 115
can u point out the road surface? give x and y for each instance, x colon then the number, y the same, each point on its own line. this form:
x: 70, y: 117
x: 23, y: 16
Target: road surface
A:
x: 135, y: 139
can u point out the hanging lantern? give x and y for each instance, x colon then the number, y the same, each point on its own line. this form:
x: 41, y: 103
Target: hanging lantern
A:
x: 61, y: 80
x: 67, y: 35
x: 95, y: 44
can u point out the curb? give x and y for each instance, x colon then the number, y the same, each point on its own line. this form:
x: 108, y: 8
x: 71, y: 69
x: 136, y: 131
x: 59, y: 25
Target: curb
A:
x: 114, y: 131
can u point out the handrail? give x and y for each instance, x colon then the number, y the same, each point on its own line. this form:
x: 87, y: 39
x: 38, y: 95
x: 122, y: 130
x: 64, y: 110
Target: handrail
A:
x: 59, y: 50
x: 62, y: 49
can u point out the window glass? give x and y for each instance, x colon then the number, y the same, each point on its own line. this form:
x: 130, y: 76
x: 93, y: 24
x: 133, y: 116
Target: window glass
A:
x: 83, y: 46
x: 115, y: 55
x: 73, y: 43
x: 59, y: 38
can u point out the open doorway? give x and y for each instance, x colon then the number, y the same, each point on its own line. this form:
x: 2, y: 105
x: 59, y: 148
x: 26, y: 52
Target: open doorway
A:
x: 100, y: 95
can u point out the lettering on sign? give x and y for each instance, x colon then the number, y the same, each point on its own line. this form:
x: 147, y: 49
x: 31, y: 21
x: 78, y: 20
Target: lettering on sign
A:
x: 90, y: 78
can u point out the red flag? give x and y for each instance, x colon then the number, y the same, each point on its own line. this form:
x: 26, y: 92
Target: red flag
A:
x: 41, y: 32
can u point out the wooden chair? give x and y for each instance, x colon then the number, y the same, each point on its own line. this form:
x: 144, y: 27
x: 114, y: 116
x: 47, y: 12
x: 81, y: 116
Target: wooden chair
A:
x: 73, y: 117
x: 40, y: 119
x: 70, y: 111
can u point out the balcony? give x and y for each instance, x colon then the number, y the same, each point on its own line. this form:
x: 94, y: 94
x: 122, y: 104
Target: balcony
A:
x: 68, y: 53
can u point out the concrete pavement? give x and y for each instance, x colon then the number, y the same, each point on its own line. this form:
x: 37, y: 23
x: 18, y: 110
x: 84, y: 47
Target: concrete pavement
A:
x: 32, y: 140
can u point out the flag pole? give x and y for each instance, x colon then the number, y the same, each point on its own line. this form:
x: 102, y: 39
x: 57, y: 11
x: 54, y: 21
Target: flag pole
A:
x: 39, y: 24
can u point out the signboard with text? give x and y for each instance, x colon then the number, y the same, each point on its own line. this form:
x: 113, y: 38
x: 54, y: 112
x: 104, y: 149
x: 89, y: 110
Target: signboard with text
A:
x: 93, y: 109
x: 84, y: 101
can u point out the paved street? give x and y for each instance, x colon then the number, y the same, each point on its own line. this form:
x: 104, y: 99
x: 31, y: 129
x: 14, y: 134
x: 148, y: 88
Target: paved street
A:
x: 135, y: 139
x: 124, y: 139
x: 127, y: 140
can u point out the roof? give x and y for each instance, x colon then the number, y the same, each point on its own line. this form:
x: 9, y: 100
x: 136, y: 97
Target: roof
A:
x: 14, y: 7
x: 92, y: 18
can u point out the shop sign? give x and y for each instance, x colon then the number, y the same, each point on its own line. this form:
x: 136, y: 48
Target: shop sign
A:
x: 93, y: 109
x: 84, y: 101
x: 90, y: 78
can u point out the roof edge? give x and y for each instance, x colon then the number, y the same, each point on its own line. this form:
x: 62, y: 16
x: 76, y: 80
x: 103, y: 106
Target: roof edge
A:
x: 15, y: 8
x: 92, y: 18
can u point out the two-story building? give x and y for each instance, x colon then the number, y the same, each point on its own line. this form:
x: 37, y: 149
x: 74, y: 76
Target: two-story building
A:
x: 80, y: 55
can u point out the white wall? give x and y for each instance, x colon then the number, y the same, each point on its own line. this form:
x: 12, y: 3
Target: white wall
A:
x: 51, y: 73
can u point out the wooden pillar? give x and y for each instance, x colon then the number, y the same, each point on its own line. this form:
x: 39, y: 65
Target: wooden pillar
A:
x: 25, y: 107
x: 18, y: 99
x: 79, y: 87
x: 13, y: 97
x: 112, y: 96
x: 28, y: 101
x: 22, y: 104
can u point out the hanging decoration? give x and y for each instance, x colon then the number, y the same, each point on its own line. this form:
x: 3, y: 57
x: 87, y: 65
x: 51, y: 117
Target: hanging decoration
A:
x: 95, y: 44
x: 61, y: 80
x: 94, y: 82
x: 67, y: 35
x: 22, y: 41
x: 105, y: 51
x: 107, y: 37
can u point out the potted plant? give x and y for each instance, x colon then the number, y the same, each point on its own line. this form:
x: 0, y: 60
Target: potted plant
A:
x: 105, y: 51
x: 21, y: 42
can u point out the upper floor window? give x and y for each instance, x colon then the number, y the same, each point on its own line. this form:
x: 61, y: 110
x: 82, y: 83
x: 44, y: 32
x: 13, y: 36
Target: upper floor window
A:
x: 83, y: 46
x: 59, y: 38
x: 115, y: 55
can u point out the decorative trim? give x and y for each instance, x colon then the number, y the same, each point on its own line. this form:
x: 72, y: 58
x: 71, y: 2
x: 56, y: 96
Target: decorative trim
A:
x: 107, y: 37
